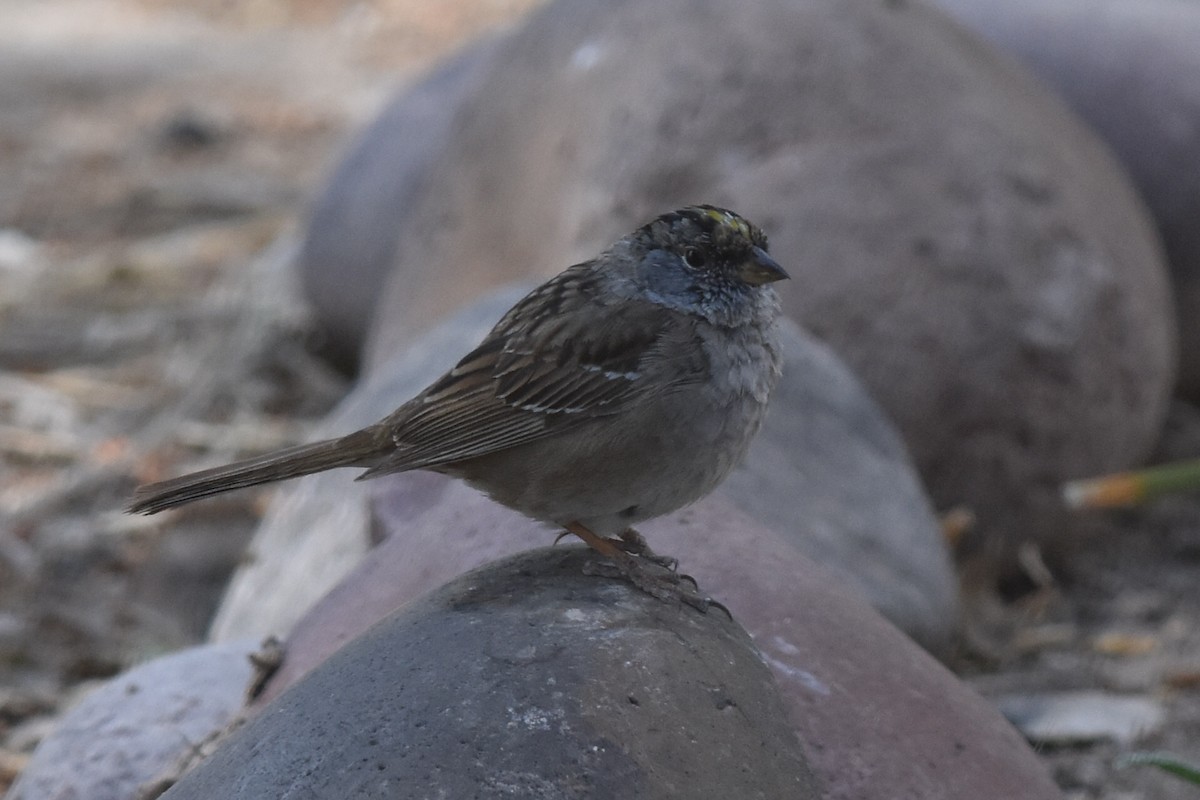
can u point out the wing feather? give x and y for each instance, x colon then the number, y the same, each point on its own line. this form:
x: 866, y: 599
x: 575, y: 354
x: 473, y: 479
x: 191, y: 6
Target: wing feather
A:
x: 564, y: 355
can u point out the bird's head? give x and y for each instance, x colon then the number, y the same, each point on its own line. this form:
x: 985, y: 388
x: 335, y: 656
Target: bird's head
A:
x: 702, y: 259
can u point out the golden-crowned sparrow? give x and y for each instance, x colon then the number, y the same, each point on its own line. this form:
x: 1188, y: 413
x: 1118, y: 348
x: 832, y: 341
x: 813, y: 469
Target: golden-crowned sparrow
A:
x: 621, y: 389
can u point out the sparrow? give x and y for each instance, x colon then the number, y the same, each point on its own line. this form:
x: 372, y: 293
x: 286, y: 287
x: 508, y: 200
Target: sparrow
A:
x: 621, y: 389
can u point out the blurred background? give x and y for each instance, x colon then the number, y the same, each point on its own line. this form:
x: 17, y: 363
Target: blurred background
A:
x: 150, y: 153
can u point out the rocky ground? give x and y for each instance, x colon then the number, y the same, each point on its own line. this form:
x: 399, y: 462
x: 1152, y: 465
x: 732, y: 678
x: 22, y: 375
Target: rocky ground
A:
x: 156, y: 160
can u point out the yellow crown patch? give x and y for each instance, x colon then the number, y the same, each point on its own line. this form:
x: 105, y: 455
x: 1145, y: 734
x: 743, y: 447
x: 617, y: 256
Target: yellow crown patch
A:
x: 729, y: 220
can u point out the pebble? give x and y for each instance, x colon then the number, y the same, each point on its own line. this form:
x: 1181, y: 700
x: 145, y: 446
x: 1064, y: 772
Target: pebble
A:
x: 1081, y: 717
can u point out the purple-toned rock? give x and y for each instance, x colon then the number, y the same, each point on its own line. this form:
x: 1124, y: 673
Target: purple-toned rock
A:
x: 1132, y: 71
x: 524, y: 679
x: 138, y: 725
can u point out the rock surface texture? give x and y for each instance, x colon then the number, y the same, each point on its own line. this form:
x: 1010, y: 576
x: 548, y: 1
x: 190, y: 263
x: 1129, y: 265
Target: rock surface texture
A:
x: 1132, y: 71
x: 139, y: 725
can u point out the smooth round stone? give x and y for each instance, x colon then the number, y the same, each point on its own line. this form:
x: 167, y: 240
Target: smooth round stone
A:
x: 970, y: 249
x: 128, y: 732
x: 878, y: 718
x: 524, y: 679
x: 827, y: 474
x: 1132, y: 71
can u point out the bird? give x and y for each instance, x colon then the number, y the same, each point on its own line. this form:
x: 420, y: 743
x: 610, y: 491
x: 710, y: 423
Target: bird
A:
x: 624, y: 388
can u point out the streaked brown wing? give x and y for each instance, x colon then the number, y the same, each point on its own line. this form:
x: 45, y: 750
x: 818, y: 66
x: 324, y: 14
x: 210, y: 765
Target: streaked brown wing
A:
x: 560, y: 357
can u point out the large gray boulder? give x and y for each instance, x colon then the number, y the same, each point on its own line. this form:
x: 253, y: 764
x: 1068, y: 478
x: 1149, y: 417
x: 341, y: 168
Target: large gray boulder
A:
x: 1132, y: 71
x: 964, y: 243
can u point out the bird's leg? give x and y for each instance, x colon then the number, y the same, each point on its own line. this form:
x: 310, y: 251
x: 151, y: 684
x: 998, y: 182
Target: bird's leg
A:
x: 665, y: 586
x: 633, y: 543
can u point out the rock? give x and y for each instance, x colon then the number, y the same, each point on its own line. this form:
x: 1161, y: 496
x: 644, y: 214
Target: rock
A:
x: 963, y: 242
x: 524, y: 679
x: 351, y: 236
x: 877, y: 716
x: 828, y: 475
x: 139, y: 724
x: 1072, y: 718
x: 1132, y: 71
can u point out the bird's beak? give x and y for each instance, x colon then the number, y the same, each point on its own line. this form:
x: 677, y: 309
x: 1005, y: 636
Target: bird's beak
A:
x: 760, y: 268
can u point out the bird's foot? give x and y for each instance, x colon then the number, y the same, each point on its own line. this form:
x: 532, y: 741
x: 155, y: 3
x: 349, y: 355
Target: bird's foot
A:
x: 653, y: 574
x: 655, y: 580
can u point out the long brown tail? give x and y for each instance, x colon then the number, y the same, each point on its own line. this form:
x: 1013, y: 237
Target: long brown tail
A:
x: 359, y: 449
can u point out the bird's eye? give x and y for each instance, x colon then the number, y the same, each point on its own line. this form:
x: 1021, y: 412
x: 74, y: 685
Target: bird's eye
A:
x: 694, y: 257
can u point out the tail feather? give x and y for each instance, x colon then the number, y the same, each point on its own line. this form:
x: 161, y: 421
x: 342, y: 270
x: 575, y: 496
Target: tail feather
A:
x: 359, y: 449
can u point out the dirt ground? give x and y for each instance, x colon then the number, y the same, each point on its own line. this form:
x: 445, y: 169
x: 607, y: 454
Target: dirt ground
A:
x: 156, y: 158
